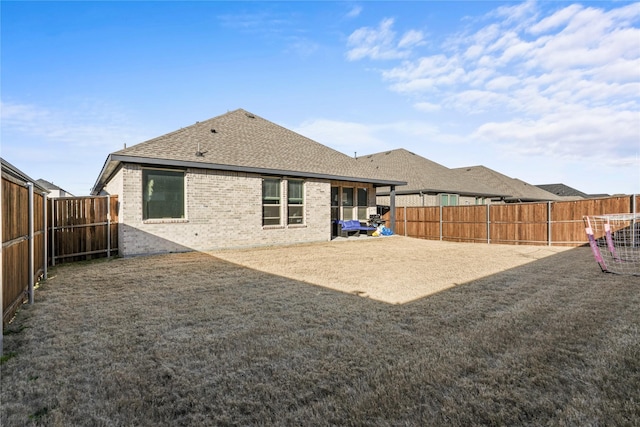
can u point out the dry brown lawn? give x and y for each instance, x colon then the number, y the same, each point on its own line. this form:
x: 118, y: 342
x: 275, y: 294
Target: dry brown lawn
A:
x: 380, y: 332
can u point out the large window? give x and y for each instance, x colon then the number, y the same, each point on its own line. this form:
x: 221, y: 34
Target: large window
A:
x: 271, y: 201
x: 295, y: 201
x: 162, y: 194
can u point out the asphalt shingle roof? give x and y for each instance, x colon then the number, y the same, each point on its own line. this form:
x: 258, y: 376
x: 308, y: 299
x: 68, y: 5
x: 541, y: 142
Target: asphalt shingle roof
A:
x: 245, y: 141
x: 422, y: 174
x: 518, y: 190
x: 562, y: 190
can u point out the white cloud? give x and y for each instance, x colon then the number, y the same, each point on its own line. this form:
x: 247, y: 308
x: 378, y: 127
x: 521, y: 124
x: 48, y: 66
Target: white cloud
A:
x: 427, y: 107
x: 563, y: 83
x: 558, y: 19
x: 411, y: 38
x: 598, y: 134
x: 87, y: 125
x: 65, y: 145
x: 354, y: 12
x: 380, y: 43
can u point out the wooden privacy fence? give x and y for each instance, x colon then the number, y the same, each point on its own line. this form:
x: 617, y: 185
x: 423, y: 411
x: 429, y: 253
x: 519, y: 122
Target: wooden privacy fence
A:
x: 37, y: 232
x: 546, y: 223
x: 23, y: 243
x: 82, y: 228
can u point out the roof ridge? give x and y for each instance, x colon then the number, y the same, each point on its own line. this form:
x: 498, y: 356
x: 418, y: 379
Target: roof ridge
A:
x: 182, y: 129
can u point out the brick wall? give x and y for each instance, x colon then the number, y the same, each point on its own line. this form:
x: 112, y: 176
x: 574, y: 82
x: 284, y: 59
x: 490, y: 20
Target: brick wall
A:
x: 223, y: 210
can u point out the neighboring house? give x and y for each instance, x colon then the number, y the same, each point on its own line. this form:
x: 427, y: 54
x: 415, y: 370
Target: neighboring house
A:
x: 236, y: 180
x: 428, y: 183
x: 13, y: 174
x: 564, y: 191
x: 517, y: 190
x: 569, y: 193
x: 54, y: 190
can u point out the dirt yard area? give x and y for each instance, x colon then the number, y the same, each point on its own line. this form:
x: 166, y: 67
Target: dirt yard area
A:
x: 282, y: 336
x: 392, y: 269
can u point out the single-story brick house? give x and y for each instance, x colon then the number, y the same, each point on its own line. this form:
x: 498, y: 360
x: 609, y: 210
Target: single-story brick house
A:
x: 236, y: 180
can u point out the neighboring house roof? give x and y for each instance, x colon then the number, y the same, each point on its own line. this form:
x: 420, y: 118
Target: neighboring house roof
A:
x: 424, y: 175
x: 565, y: 191
x: 13, y: 173
x: 51, y: 186
x: 518, y: 190
x: 242, y: 141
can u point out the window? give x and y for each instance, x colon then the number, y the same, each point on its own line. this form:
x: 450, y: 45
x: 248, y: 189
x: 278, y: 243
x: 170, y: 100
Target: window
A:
x: 270, y: 201
x: 295, y: 201
x: 362, y: 204
x: 347, y: 196
x: 162, y: 194
x: 448, y: 200
x: 347, y: 203
x: 335, y: 210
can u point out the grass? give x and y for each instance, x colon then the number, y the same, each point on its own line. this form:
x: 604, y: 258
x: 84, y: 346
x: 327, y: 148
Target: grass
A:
x: 192, y: 340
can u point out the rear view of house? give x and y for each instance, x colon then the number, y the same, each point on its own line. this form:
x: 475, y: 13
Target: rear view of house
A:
x: 236, y: 180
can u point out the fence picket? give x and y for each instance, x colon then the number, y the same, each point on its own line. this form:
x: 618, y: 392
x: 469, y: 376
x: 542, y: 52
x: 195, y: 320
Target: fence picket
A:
x: 545, y: 223
x: 84, y: 228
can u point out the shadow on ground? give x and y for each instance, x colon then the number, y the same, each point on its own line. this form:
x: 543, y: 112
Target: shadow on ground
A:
x: 189, y: 339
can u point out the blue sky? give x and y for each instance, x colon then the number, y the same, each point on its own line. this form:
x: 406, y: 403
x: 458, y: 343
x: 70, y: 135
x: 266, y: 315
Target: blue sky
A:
x: 547, y: 92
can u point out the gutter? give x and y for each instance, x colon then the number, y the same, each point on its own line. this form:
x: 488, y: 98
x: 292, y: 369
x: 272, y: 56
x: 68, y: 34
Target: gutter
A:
x: 425, y: 191
x: 116, y: 159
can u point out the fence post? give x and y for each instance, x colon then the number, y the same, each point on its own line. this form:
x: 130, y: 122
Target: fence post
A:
x: 1, y: 281
x: 440, y: 225
x: 46, y: 234
x: 633, y: 220
x: 404, y: 210
x: 31, y: 242
x: 488, y: 223
x: 108, y: 226
x: 53, y: 232
x: 392, y: 207
x: 549, y: 223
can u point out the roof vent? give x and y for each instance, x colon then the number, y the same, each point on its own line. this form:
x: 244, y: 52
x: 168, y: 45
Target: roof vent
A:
x: 251, y: 116
x: 213, y: 130
x: 198, y: 152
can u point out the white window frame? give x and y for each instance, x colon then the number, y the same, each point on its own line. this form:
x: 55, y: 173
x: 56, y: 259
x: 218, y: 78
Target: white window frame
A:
x: 279, y: 204
x: 300, y: 205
